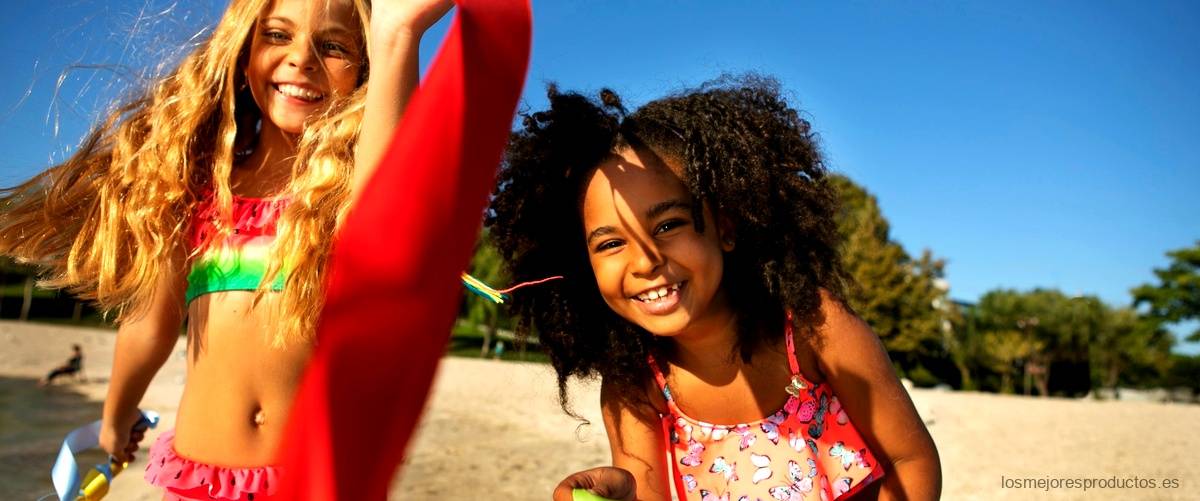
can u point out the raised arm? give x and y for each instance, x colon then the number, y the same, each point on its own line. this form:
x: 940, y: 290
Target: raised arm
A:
x: 400, y: 252
x: 144, y: 343
x: 857, y: 367
x: 396, y: 30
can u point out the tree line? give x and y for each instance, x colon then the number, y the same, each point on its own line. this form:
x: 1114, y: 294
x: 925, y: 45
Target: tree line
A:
x: 1039, y: 341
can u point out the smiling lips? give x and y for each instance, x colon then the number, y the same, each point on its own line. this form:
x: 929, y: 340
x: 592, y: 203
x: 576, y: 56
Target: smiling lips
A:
x: 299, y: 93
x: 660, y: 300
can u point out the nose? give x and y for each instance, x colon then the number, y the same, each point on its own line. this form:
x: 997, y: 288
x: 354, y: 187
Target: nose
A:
x: 303, y: 55
x: 647, y: 259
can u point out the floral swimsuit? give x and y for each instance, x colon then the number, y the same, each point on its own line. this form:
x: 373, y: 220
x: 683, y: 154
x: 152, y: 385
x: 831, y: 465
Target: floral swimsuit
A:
x: 807, y: 450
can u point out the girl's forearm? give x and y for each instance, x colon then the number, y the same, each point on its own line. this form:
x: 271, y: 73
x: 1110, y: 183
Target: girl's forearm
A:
x: 140, y: 352
x: 392, y: 80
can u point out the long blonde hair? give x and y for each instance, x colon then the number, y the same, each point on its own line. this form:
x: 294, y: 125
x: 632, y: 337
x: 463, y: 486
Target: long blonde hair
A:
x: 104, y: 223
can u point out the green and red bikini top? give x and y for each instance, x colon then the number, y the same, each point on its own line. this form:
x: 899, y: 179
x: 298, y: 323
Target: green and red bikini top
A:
x: 238, y: 261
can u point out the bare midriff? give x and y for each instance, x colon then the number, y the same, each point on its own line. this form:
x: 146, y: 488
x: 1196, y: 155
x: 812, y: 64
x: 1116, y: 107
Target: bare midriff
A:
x: 239, y: 384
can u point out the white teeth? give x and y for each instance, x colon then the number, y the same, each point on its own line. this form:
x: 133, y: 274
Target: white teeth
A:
x: 655, y: 294
x: 299, y: 92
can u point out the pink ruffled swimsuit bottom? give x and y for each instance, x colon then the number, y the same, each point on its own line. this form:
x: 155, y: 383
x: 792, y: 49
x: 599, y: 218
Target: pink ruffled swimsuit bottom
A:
x: 187, y: 480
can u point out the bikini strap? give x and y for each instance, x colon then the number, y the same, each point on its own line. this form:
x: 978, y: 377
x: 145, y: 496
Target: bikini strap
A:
x: 662, y: 385
x: 791, y: 345
x: 671, y: 471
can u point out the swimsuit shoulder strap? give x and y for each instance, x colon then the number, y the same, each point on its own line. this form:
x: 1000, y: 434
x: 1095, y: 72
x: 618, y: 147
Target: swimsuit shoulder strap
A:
x: 791, y: 345
x: 662, y: 385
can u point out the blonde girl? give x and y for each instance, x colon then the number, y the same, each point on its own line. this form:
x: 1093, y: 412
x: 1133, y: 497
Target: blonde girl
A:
x: 211, y: 198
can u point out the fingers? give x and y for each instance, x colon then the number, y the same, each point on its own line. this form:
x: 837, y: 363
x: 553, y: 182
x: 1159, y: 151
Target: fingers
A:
x: 606, y: 481
x: 563, y: 492
x: 616, y: 483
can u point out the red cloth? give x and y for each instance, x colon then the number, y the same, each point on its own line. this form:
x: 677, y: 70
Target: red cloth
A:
x: 394, y: 284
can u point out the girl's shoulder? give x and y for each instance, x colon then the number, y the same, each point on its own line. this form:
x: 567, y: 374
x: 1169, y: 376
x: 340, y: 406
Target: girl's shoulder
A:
x: 645, y: 401
x: 809, y: 361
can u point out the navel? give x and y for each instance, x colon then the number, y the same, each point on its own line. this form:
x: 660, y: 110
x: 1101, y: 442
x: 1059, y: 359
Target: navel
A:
x: 260, y: 417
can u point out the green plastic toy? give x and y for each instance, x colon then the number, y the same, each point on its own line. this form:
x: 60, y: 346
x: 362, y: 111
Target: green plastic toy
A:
x: 586, y: 495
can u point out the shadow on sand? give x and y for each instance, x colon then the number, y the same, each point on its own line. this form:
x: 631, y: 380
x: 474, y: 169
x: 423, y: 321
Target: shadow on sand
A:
x: 33, y: 423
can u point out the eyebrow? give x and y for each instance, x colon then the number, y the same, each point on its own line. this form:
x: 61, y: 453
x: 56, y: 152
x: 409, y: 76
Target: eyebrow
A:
x: 337, y: 29
x: 599, y: 232
x: 654, y: 211
x: 659, y: 208
x: 281, y: 19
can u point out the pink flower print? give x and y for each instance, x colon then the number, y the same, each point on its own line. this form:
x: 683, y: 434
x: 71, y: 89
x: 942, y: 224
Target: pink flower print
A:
x: 817, y: 427
x: 841, y: 486
x: 836, y: 409
x: 685, y: 427
x: 796, y: 487
x: 807, y: 410
x: 792, y: 405
x: 747, y: 434
x: 690, y: 482
x: 719, y: 433
x: 728, y: 470
x: 848, y: 456
x: 693, y: 456
x: 762, y: 464
x: 771, y: 426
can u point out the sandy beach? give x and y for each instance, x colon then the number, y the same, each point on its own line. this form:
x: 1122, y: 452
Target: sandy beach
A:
x: 494, y: 430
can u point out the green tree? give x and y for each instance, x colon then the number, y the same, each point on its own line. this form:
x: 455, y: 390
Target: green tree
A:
x: 900, y: 297
x: 28, y: 274
x: 964, y: 345
x: 487, y: 266
x: 1005, y: 351
x: 1058, y: 328
x: 1131, y: 349
x: 1079, y: 340
x: 1176, y: 297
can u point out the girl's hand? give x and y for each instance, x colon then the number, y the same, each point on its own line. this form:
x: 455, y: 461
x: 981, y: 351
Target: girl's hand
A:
x: 605, y: 481
x: 412, y: 17
x: 120, y: 442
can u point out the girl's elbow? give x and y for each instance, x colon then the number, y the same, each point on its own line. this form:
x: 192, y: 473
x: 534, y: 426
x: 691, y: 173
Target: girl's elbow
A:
x: 917, y: 475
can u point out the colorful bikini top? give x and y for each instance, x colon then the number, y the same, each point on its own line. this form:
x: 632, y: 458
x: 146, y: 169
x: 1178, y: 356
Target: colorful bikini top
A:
x: 807, y: 450
x: 239, y: 261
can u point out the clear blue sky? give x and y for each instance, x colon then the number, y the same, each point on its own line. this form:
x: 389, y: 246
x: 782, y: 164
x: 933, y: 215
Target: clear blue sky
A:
x: 1049, y: 144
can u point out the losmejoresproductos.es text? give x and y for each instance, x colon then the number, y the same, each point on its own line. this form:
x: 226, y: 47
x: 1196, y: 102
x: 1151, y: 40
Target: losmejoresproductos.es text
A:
x: 1077, y: 483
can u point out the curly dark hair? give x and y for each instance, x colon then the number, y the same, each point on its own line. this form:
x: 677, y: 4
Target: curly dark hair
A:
x: 744, y: 152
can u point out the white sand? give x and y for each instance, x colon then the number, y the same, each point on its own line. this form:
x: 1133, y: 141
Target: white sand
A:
x: 494, y: 430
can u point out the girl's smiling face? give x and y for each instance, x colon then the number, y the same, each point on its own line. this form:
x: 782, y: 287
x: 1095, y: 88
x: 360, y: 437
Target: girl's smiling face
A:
x: 302, y: 53
x: 651, y: 265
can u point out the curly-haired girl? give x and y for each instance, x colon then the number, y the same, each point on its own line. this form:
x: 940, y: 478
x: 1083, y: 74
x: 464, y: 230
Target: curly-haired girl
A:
x: 205, y: 195
x: 703, y: 285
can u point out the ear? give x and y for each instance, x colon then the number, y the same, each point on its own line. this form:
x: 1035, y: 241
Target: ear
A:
x: 725, y: 233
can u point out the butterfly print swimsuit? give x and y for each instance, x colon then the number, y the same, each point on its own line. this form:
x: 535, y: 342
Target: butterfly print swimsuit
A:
x: 808, y: 450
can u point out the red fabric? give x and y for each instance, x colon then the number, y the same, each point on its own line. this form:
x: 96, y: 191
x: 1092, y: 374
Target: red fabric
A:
x: 394, y: 287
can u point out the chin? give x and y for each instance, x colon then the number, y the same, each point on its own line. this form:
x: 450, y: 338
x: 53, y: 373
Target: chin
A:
x: 289, y: 124
x: 663, y: 327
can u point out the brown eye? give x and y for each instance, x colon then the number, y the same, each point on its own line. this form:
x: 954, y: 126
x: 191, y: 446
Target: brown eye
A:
x: 608, y: 244
x: 669, y: 225
x: 276, y: 36
x: 335, y: 49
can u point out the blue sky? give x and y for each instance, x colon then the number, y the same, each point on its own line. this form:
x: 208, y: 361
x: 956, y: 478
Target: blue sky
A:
x: 1029, y: 144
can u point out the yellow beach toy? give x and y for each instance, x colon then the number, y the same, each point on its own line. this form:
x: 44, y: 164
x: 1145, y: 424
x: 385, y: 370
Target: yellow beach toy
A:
x: 94, y: 486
